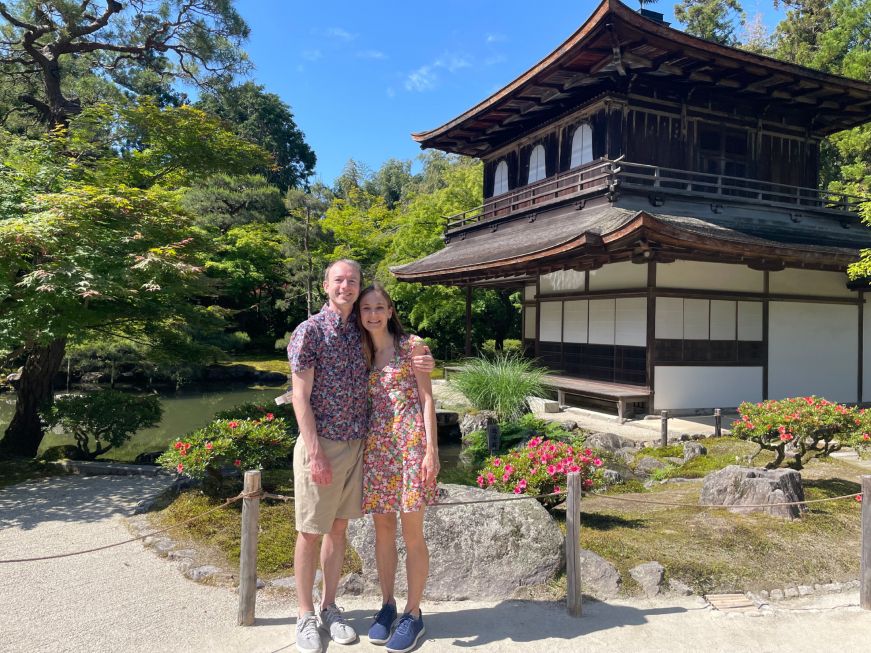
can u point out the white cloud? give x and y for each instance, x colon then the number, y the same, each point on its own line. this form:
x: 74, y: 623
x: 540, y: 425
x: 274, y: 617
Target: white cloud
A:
x: 422, y: 79
x: 494, y: 38
x: 371, y: 54
x: 340, y: 34
x: 312, y: 55
x: 425, y: 77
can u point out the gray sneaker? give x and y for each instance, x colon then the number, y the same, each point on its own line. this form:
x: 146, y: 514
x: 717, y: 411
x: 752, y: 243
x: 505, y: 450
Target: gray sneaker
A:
x: 308, y: 637
x: 332, y: 620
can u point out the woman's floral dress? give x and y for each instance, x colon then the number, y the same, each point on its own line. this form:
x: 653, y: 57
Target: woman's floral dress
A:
x: 396, y: 443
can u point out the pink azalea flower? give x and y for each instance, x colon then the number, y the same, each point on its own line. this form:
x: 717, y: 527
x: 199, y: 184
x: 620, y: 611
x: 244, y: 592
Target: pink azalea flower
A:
x: 505, y: 477
x: 269, y: 417
x: 490, y: 478
x: 522, y: 484
x: 556, y: 488
x: 209, y: 446
x: 179, y: 468
x: 574, y: 468
x: 551, y: 470
x: 497, y: 462
x: 509, y: 468
x: 588, y: 452
x: 517, y: 490
x: 597, y: 462
x: 587, y: 483
x: 233, y: 425
x: 480, y: 480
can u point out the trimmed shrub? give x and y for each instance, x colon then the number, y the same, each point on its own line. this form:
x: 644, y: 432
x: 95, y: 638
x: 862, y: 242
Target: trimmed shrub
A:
x: 230, y: 443
x: 509, y: 346
x: 540, y: 467
x: 513, y: 434
x: 108, y: 417
x: 799, y: 428
x: 500, y: 384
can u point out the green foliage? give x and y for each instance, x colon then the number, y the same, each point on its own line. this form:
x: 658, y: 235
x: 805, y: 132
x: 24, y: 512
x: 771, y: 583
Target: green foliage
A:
x: 108, y: 416
x: 256, y: 411
x: 509, y: 346
x: 262, y: 443
x: 801, y: 427
x: 222, y: 201
x: 263, y: 118
x: 540, y: 467
x: 513, y: 434
x: 713, y: 20
x: 500, y: 384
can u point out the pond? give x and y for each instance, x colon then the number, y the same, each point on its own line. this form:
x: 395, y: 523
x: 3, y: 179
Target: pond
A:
x: 184, y: 412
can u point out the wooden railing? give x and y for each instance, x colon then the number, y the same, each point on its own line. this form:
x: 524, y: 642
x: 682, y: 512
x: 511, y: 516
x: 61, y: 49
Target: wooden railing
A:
x: 606, y: 175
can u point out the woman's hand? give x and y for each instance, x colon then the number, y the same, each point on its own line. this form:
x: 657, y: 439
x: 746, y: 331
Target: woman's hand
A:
x: 429, y: 469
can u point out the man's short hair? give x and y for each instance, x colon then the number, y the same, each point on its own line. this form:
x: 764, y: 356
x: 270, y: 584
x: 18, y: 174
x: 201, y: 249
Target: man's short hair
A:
x: 350, y: 262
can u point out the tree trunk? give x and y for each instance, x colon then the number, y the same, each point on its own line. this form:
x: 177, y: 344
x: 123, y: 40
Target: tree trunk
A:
x: 35, y: 389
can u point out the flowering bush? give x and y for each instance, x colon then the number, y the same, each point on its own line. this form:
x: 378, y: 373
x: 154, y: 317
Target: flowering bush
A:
x: 242, y: 443
x: 541, y: 467
x: 860, y: 438
x: 513, y: 433
x: 255, y: 410
x: 800, y: 427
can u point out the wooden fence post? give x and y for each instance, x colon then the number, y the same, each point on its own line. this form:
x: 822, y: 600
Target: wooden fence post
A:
x: 573, y: 544
x: 865, y: 566
x: 663, y: 416
x: 248, y: 554
x: 718, y: 423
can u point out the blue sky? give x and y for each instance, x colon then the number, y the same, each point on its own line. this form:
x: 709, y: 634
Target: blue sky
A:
x: 361, y: 76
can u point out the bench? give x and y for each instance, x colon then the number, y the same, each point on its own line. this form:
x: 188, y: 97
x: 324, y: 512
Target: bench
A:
x: 622, y: 394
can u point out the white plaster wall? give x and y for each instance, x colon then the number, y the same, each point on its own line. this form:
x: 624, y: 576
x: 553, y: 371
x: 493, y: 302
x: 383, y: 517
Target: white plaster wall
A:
x: 561, y: 281
x: 630, y: 327
x: 529, y: 322
x: 750, y: 321
x: 669, y: 318
x: 551, y: 322
x: 529, y: 293
x: 809, y: 282
x: 575, y: 321
x: 866, y: 353
x: 813, y: 349
x: 723, y: 319
x: 602, y: 321
x: 708, y: 276
x: 619, y: 275
x: 696, y: 319
x: 705, y: 387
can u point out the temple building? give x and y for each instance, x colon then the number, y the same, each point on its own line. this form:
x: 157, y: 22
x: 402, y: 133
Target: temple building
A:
x: 655, y: 196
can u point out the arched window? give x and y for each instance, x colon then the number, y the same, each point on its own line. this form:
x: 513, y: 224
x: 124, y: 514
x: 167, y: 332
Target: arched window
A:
x: 500, y: 179
x: 582, y: 146
x: 536, y: 164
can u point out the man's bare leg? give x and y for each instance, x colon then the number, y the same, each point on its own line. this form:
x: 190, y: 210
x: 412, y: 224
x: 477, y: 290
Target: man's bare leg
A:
x: 305, y: 564
x: 332, y: 557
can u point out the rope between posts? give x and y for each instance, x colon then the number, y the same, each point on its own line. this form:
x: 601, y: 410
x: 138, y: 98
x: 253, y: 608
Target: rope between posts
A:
x: 718, y: 505
x: 232, y: 500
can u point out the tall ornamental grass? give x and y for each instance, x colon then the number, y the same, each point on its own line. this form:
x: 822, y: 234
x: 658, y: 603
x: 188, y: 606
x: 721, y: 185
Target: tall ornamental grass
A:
x: 500, y: 384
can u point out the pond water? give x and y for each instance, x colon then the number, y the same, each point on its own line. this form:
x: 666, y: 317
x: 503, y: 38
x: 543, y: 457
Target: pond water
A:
x: 184, y: 412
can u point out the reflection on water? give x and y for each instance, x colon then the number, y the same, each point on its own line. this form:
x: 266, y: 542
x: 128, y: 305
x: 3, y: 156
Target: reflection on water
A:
x: 187, y: 411
x: 183, y: 412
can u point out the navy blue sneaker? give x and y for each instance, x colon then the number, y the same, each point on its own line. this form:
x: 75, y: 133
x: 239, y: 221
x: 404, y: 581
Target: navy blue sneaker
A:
x: 379, y: 633
x: 407, y: 632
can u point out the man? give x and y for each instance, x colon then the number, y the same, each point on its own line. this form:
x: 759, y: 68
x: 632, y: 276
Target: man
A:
x: 330, y: 399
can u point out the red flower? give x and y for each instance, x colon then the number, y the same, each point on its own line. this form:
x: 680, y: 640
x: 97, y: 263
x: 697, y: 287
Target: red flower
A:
x: 233, y: 425
x: 859, y: 498
x: 209, y: 446
x: 237, y: 462
x: 269, y: 417
x: 179, y: 468
x: 865, y: 436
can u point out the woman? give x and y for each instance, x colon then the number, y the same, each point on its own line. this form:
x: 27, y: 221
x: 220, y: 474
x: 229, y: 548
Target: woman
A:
x: 400, y: 462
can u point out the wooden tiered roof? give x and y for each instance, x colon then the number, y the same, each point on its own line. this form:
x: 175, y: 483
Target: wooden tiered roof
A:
x: 617, y: 48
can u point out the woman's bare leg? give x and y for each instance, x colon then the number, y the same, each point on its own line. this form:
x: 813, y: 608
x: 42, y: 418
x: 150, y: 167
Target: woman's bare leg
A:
x: 416, y: 561
x: 385, y: 554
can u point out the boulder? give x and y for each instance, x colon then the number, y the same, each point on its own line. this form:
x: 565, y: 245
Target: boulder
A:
x: 478, y: 550
x: 693, y: 450
x: 612, y: 477
x: 646, y: 464
x: 608, y: 442
x: 599, y: 578
x: 649, y: 577
x: 542, y: 405
x: 476, y: 421
x: 744, y: 487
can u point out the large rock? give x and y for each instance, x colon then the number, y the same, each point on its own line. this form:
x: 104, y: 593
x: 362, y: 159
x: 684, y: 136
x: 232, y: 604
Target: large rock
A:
x: 645, y: 465
x: 478, y: 550
x: 649, y: 577
x: 742, y: 488
x: 476, y: 422
x: 599, y: 578
x: 693, y: 450
x: 608, y: 442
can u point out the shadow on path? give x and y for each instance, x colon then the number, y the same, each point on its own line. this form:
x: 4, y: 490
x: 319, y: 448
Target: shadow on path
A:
x: 74, y: 499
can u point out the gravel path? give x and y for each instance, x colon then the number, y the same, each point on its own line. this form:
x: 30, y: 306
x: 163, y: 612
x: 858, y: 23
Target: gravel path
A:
x: 127, y: 599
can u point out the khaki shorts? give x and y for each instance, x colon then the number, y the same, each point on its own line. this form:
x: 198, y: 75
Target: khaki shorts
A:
x: 317, y: 506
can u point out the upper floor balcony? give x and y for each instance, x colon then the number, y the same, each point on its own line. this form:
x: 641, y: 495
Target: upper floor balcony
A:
x: 612, y: 177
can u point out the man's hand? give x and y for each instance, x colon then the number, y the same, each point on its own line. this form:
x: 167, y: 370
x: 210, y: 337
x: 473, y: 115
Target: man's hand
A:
x: 322, y: 473
x: 424, y: 362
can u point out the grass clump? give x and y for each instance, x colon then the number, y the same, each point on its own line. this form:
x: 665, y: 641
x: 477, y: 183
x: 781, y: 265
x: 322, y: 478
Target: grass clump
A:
x: 500, y: 384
